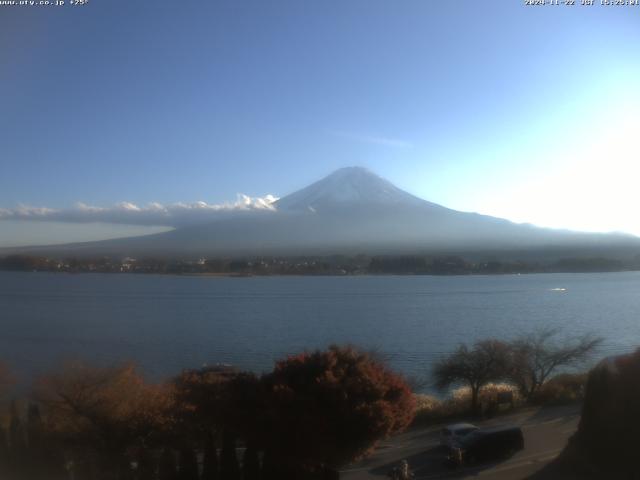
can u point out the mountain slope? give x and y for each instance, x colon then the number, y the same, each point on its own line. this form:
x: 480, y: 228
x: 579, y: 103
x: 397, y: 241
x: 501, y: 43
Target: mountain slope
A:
x: 353, y: 211
x: 350, y: 186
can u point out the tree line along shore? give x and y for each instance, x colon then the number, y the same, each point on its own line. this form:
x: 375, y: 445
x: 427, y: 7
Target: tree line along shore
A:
x: 317, y: 265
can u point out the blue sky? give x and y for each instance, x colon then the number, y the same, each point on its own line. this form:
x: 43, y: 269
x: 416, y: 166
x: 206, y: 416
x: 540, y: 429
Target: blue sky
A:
x: 529, y: 113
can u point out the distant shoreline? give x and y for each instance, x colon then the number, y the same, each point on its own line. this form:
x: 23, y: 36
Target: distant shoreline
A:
x: 334, y: 275
x: 335, y: 265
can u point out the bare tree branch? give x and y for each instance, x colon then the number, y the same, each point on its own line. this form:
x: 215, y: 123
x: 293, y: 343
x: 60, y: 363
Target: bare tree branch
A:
x: 535, y: 357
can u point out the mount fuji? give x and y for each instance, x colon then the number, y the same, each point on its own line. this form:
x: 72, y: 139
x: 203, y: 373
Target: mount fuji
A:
x: 354, y: 211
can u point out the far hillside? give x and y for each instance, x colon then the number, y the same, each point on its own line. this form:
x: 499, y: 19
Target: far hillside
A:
x: 350, y: 212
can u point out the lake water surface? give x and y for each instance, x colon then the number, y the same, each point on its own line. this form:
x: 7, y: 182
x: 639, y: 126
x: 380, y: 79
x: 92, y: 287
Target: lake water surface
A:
x: 166, y: 323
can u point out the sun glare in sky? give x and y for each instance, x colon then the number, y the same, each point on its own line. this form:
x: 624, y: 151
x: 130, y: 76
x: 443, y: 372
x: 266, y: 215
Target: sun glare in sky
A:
x: 589, y: 182
x: 574, y: 167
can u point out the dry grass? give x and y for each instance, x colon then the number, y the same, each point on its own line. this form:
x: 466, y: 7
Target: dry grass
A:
x: 430, y: 409
x: 562, y: 389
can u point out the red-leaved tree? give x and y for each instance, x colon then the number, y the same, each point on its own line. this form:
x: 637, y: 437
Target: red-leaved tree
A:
x: 327, y: 408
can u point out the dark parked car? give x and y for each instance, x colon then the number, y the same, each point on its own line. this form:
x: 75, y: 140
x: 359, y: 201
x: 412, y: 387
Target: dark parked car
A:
x: 487, y: 444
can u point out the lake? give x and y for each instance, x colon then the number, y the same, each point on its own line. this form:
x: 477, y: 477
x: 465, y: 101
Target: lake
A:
x: 166, y: 323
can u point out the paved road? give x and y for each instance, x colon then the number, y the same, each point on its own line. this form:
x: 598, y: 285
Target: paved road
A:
x: 546, y: 432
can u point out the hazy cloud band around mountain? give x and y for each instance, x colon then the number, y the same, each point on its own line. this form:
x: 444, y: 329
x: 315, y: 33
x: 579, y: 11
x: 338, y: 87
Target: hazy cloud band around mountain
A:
x: 173, y: 215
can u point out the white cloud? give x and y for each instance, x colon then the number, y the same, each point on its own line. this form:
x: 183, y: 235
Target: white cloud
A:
x: 174, y: 215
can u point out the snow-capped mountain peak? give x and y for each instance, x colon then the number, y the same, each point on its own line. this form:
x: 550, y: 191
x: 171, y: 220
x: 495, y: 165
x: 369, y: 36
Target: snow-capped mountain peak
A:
x: 350, y: 186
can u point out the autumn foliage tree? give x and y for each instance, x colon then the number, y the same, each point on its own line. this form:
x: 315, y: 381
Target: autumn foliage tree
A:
x: 6, y: 379
x: 328, y: 408
x: 200, y: 397
x: 101, y: 414
x: 217, y: 405
x: 314, y: 413
x: 607, y: 436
